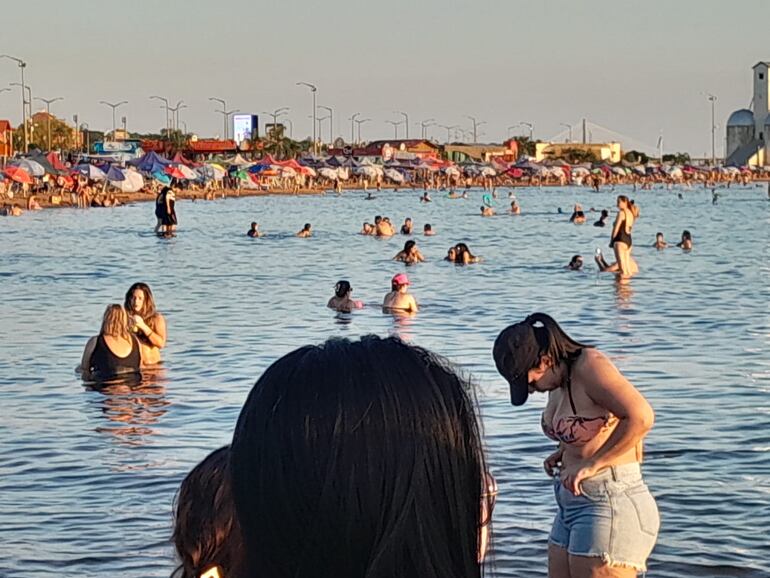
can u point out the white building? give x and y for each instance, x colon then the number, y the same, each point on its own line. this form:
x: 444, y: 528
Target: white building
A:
x: 748, y: 130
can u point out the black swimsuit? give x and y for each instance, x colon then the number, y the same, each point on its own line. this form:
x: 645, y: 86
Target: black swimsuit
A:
x: 622, y: 236
x: 104, y: 364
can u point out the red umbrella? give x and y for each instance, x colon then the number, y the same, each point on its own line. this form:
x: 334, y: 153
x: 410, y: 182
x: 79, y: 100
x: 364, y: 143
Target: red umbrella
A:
x: 19, y: 175
x: 174, y: 172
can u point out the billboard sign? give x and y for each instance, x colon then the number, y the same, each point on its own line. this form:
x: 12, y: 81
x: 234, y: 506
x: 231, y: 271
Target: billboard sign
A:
x: 245, y: 127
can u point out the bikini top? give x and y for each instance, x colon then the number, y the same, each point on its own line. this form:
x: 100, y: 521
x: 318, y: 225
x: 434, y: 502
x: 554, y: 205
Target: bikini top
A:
x: 575, y: 429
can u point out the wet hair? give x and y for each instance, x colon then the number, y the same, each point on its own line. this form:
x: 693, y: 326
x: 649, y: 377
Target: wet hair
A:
x: 658, y: 234
x: 115, y: 322
x: 605, y: 213
x: 377, y: 219
x: 342, y: 288
x: 148, y: 309
x: 306, y: 227
x: 409, y: 245
x: 686, y: 236
x: 576, y: 262
x: 461, y: 249
x: 427, y: 227
x: 408, y: 219
x: 359, y: 458
x: 253, y: 224
x: 206, y: 530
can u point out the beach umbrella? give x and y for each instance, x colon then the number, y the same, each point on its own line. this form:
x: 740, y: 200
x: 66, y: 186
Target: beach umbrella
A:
x: 174, y: 172
x: 488, y: 172
x: 114, y: 175
x: 91, y: 171
x: 132, y: 182
x: 580, y: 171
x: 394, y: 175
x: 19, y: 175
x: 161, y: 177
x: 188, y: 173
x: 328, y: 173
x: 34, y: 168
x: 288, y: 172
x: 452, y: 172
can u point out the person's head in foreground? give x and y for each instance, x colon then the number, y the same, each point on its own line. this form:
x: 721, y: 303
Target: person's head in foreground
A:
x: 115, y: 322
x: 361, y: 458
x: 206, y: 533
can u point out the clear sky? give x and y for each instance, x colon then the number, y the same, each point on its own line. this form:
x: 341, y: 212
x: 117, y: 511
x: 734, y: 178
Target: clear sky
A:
x: 638, y: 68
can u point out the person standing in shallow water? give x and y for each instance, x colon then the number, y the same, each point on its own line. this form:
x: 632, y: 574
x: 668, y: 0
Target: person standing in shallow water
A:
x: 145, y: 322
x: 607, y: 521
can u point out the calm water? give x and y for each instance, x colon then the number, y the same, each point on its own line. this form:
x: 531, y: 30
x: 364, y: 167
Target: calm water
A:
x: 87, y: 478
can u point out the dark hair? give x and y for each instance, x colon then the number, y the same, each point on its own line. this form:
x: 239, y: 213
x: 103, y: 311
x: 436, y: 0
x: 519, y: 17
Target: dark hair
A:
x: 377, y: 218
x: 605, y: 213
x: 206, y: 530
x: 427, y: 227
x: 553, y: 340
x: 148, y: 310
x: 574, y: 261
x: 461, y: 249
x: 686, y: 235
x: 409, y: 245
x: 306, y: 227
x: 658, y: 234
x: 253, y: 224
x: 359, y: 458
x: 342, y: 288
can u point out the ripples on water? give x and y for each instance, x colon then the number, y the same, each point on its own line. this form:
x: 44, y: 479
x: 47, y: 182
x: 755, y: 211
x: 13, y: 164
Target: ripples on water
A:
x: 87, y: 477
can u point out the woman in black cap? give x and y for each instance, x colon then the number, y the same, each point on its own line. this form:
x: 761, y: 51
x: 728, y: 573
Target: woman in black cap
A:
x: 607, y: 521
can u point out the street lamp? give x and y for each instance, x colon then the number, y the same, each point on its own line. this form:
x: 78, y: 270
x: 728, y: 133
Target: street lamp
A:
x: 22, y: 66
x: 224, y: 108
x: 569, y: 126
x: 175, y: 114
x: 359, y: 122
x: 84, y: 127
x: 113, y: 106
x: 425, y: 124
x: 313, y: 90
x: 353, y: 127
x: 48, y: 102
x: 226, y: 114
x: 291, y: 128
x: 449, y: 130
x: 331, y: 123
x: 395, y: 124
x: 275, y: 114
x: 476, y: 125
x: 713, y: 100
x: 319, y: 120
x: 165, y: 102
x: 530, y: 126
x: 406, y: 121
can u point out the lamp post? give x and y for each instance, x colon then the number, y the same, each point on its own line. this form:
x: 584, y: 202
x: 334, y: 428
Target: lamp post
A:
x: 175, y: 114
x: 530, y: 126
x: 319, y: 120
x: 359, y: 122
x: 449, y: 130
x: 713, y: 100
x: 84, y: 127
x: 226, y: 114
x: 114, y: 106
x: 275, y: 114
x: 224, y: 108
x: 476, y: 125
x: 406, y: 120
x: 395, y: 124
x: 510, y: 128
x: 424, y: 125
x: 291, y: 128
x: 331, y: 122
x: 313, y: 91
x: 569, y: 126
x: 353, y: 127
x: 22, y: 66
x: 165, y: 102
x: 48, y: 102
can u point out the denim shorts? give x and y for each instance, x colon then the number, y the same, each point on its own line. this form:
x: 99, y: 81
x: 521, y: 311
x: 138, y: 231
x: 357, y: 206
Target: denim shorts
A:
x: 615, y: 518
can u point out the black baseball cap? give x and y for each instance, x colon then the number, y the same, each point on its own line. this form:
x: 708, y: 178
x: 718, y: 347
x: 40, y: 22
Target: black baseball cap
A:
x: 517, y: 350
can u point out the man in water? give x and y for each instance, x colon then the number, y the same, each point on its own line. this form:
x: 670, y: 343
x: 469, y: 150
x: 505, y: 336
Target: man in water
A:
x: 427, y: 230
x: 487, y: 211
x: 406, y: 228
x: 383, y: 228
x: 253, y: 232
x: 306, y: 231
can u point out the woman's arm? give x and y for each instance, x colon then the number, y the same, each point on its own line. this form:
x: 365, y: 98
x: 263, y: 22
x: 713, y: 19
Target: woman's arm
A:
x: 616, y: 225
x: 156, y: 334
x: 607, y: 388
x: 85, y: 362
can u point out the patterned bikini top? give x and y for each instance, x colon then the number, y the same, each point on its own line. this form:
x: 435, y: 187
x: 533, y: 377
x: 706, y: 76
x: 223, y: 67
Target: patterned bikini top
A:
x: 575, y: 429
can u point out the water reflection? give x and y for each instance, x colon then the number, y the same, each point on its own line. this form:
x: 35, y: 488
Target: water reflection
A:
x: 132, y: 406
x: 624, y: 293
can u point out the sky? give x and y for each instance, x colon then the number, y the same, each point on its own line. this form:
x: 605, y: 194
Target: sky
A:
x: 641, y: 69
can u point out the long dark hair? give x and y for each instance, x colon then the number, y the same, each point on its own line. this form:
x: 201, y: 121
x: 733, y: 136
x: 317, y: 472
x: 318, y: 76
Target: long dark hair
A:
x: 148, y: 309
x: 554, y: 341
x: 206, y: 531
x: 359, y: 458
x: 342, y: 288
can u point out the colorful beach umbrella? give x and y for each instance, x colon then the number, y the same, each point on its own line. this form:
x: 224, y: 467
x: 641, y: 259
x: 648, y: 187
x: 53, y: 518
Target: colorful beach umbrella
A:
x: 19, y: 175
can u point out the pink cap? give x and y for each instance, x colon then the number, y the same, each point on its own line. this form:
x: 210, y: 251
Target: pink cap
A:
x: 400, y: 279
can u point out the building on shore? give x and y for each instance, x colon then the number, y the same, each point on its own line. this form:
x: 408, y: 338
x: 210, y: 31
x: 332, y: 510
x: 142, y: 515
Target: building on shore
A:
x: 748, y: 129
x: 6, y: 139
x: 484, y: 153
x: 579, y: 152
x: 403, y: 149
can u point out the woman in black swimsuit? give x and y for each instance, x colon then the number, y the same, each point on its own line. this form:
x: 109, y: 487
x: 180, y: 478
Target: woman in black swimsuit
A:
x: 621, y: 241
x: 114, y: 352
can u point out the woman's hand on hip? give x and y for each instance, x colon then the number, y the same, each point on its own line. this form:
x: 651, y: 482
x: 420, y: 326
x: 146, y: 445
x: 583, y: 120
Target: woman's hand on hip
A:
x: 572, y: 474
x: 552, y: 462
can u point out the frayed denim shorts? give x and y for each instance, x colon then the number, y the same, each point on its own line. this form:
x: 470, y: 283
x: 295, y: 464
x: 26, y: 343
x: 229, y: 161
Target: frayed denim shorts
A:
x: 615, y: 518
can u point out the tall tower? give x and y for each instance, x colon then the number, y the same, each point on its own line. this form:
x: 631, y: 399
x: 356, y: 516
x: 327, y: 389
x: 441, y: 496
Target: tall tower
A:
x: 761, y: 104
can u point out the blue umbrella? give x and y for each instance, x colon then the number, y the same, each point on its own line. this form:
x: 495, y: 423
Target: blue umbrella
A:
x: 115, y: 174
x: 162, y: 178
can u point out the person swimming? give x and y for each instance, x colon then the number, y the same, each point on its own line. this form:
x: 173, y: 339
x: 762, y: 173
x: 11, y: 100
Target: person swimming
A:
x: 254, y: 230
x: 575, y: 264
x: 451, y: 255
x: 370, y: 197
x: 463, y: 255
x: 399, y: 299
x: 515, y: 208
x: 406, y: 228
x: 686, y: 242
x: 306, y: 231
x: 368, y: 229
x: 578, y: 216
x: 602, y: 222
x: 410, y: 254
x: 487, y: 211
x: 383, y: 227
x: 425, y: 198
x: 660, y: 242
x: 427, y: 230
x: 341, y: 300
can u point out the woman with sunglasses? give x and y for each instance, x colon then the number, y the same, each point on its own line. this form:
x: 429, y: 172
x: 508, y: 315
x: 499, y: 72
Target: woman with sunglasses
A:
x: 361, y: 458
x: 607, y: 520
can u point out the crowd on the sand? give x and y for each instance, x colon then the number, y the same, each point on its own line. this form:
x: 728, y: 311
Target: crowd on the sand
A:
x: 365, y: 458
